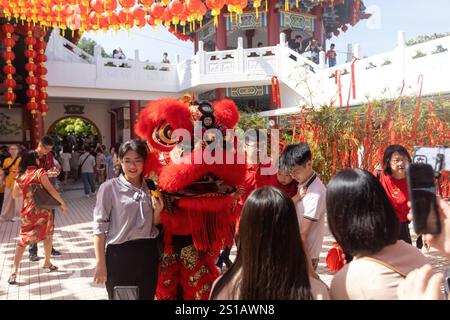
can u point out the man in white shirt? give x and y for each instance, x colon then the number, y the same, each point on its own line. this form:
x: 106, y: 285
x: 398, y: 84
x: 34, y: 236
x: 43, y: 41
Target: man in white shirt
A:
x: 310, y: 200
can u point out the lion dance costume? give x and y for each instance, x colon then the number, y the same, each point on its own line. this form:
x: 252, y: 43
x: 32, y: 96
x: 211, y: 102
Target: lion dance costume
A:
x: 198, y: 216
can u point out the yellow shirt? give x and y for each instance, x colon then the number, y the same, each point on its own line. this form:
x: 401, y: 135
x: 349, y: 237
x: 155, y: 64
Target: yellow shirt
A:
x: 13, y: 171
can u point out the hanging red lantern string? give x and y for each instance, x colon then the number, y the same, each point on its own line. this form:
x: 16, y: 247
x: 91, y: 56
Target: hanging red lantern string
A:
x: 9, y: 69
x: 41, y: 73
x: 31, y: 67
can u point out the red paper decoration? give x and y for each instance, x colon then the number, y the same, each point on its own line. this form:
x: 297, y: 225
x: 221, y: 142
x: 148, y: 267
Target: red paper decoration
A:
x: 31, y: 67
x: 9, y: 69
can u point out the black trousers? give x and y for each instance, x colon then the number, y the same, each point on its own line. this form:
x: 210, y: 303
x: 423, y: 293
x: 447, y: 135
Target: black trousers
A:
x: 404, y: 233
x: 133, y: 263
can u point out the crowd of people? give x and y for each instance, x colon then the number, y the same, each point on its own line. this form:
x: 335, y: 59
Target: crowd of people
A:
x: 367, y: 214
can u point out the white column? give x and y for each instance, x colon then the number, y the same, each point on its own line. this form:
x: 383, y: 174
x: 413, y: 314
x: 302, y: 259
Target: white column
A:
x: 356, y: 51
x: 349, y: 52
x: 401, y: 55
x: 239, y: 59
x: 200, y: 57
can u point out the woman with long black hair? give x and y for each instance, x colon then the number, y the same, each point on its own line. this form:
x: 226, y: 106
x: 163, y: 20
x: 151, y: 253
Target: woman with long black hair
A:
x: 36, y: 224
x: 271, y: 262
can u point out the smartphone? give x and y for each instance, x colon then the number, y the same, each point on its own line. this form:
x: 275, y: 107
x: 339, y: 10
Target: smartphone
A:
x: 422, y: 194
x: 126, y: 293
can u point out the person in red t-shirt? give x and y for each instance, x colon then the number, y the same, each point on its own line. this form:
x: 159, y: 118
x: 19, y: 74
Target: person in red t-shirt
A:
x: 45, y: 161
x: 331, y: 56
x: 393, y: 180
x: 258, y: 174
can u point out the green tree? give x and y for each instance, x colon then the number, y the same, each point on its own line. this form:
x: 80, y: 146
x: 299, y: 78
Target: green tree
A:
x: 88, y: 45
x: 425, y: 38
x: 77, y: 126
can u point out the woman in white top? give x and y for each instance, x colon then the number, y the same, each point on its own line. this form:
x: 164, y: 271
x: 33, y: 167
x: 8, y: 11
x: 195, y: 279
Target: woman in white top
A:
x: 271, y: 263
x: 66, y: 156
x: 125, y: 219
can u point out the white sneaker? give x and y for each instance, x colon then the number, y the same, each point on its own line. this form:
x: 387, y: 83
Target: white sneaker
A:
x: 88, y: 196
x: 15, y: 219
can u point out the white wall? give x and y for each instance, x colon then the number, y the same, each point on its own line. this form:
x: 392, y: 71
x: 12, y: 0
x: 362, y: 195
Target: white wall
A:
x: 96, y: 111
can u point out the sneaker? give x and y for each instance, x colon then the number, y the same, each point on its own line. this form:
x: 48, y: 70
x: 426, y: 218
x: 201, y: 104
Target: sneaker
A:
x: 88, y: 195
x: 15, y: 219
x: 55, y: 252
x: 34, y: 257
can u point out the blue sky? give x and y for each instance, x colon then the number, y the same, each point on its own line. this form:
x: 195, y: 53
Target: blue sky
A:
x: 376, y: 35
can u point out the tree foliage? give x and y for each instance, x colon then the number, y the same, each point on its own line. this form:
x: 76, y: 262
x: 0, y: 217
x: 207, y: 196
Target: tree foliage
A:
x: 425, y: 38
x: 88, y: 45
x: 77, y: 126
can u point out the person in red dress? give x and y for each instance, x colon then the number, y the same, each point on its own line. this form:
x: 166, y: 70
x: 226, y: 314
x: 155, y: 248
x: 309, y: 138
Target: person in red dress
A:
x: 36, y: 224
x: 393, y: 180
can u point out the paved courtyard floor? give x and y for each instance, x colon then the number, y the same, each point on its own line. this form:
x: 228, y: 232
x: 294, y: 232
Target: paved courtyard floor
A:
x: 73, y: 237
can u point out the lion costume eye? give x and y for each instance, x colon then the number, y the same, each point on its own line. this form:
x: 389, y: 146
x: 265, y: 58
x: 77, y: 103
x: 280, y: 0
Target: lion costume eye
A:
x: 163, y: 135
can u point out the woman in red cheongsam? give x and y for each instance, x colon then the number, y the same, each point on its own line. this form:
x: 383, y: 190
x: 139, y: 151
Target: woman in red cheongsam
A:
x: 36, y: 224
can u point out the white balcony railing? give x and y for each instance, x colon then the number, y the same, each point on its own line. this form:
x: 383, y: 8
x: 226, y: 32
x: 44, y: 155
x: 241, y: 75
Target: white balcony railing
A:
x: 378, y: 76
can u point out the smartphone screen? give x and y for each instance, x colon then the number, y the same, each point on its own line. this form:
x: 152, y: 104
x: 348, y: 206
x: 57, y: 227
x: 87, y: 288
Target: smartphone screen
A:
x: 422, y: 194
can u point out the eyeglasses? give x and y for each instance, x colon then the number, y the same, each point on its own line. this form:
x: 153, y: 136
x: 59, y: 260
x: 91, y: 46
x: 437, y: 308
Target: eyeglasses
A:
x: 397, y: 161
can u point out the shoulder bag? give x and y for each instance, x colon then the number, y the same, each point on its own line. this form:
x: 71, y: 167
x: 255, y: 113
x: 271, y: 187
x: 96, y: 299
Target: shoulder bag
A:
x: 42, y: 198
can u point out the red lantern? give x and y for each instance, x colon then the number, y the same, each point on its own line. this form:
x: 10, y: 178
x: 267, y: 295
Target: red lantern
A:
x: 9, y: 55
x: 9, y: 42
x: 42, y: 83
x: 31, y: 80
x: 9, y: 96
x: 43, y: 95
x: 146, y: 3
x: 127, y: 3
x: 9, y: 69
x: 157, y: 12
x: 32, y: 106
x: 30, y: 54
x: 9, y: 83
x: 8, y: 28
x: 43, y: 108
x: 215, y: 6
x: 30, y: 66
x: 138, y: 15
x: 98, y: 5
x: 32, y: 93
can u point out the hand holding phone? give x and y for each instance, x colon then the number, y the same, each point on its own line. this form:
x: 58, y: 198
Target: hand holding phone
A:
x: 422, y: 195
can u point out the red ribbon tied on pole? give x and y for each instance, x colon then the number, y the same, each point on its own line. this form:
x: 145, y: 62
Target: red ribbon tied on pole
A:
x: 337, y: 80
x: 417, y: 113
x: 352, y: 89
x: 276, y: 99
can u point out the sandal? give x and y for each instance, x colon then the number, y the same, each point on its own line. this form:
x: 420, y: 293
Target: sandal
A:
x: 50, y: 268
x: 12, y: 278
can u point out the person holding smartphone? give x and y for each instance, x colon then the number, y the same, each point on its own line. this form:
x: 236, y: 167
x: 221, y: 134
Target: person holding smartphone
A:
x: 125, y: 232
x: 423, y: 283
